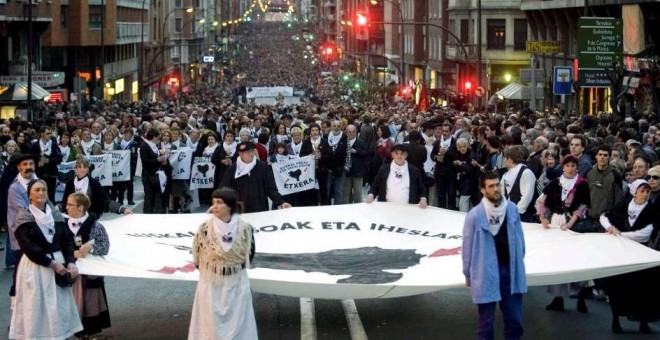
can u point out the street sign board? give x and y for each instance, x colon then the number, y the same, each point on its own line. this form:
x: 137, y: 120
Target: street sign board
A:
x: 562, y: 80
x: 208, y: 58
x: 479, y: 91
x: 593, y: 78
x: 535, y: 46
x: 600, y: 45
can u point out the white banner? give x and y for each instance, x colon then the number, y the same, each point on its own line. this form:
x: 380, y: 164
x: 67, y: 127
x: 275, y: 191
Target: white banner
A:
x: 65, y: 173
x: 121, y: 165
x: 377, y: 250
x: 102, y: 168
x: 181, y: 161
x: 203, y: 173
x: 274, y: 91
x: 294, y: 175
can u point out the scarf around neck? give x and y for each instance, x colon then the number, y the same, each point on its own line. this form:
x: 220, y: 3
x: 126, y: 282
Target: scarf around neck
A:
x: 76, y: 223
x: 87, y: 146
x: 81, y: 185
x: 634, y: 210
x: 567, y: 185
x: 495, y: 214
x: 242, y: 168
x: 226, y: 231
x: 45, y: 221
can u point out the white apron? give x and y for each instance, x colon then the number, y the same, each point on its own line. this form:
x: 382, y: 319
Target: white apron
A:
x: 223, y: 310
x: 43, y: 309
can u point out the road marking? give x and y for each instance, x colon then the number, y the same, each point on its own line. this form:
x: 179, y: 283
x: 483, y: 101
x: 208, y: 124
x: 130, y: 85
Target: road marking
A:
x: 353, y: 318
x: 307, y: 319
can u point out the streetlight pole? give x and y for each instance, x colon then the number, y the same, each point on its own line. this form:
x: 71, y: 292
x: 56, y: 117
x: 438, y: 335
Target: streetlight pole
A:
x: 402, y: 67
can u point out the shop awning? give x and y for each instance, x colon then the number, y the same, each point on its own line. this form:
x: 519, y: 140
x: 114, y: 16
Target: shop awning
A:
x: 512, y: 91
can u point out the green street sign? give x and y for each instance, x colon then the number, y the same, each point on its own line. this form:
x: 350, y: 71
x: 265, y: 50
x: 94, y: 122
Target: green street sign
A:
x: 600, y: 42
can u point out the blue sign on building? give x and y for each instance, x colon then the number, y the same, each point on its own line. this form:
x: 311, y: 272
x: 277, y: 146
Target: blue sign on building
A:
x: 563, y: 80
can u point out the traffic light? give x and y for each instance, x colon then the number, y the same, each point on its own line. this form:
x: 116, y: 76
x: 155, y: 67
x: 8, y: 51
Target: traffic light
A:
x: 362, y: 20
x: 173, y: 81
x: 329, y: 50
x: 468, y: 86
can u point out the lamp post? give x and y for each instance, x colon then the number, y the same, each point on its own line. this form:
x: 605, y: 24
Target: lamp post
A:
x: 181, y: 68
x: 402, y: 67
x: 162, y: 44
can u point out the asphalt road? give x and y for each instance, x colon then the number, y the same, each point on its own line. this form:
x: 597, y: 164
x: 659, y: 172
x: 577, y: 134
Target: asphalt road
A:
x: 159, y: 309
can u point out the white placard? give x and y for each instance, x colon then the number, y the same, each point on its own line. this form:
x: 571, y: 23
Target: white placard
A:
x: 203, y: 173
x: 294, y: 175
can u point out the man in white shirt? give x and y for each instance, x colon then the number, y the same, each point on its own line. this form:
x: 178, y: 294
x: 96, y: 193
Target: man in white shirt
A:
x: 519, y: 183
x: 398, y: 181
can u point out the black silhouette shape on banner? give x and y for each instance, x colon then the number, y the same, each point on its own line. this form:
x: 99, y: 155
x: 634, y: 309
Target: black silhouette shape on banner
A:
x: 296, y: 174
x: 203, y: 168
x: 366, y: 265
x: 65, y: 177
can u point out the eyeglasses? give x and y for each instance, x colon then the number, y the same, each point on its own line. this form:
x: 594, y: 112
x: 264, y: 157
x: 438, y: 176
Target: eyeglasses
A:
x: 655, y: 178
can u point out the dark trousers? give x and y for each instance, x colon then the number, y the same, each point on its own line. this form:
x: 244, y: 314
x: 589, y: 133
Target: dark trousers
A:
x: 129, y: 190
x: 446, y: 191
x: 152, y: 195
x: 52, y: 184
x: 511, y: 307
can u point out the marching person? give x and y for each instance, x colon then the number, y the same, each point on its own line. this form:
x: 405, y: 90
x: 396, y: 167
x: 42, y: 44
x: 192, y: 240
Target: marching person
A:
x: 85, y: 184
x: 493, y: 254
x: 152, y: 173
x: 49, y: 156
x: 222, y: 251
x: 634, y: 294
x: 45, y: 307
x: 355, y: 167
x: 253, y: 181
x: 398, y: 181
x: 17, y: 200
x: 88, y: 237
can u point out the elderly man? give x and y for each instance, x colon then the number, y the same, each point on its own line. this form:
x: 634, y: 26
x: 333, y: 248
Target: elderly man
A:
x: 355, y: 167
x: 17, y: 199
x: 253, y: 181
x: 398, y: 181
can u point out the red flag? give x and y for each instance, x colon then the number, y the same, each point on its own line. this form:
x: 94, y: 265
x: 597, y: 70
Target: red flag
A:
x: 423, y: 103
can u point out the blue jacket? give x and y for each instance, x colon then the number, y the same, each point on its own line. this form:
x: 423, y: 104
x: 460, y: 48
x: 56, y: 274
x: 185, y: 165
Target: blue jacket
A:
x: 17, y: 199
x: 480, y: 265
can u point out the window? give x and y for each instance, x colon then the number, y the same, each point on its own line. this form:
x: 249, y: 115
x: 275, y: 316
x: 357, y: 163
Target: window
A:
x: 496, y: 38
x: 465, y: 31
x: 63, y: 14
x: 519, y: 34
x: 178, y: 22
x: 95, y: 20
x: 177, y: 3
x: 452, y: 29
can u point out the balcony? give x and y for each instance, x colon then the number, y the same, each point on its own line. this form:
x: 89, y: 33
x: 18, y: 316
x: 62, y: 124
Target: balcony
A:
x: 129, y: 32
x: 132, y: 4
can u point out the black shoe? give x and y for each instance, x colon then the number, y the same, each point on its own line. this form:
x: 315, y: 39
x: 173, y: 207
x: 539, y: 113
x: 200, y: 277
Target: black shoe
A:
x: 644, y: 328
x: 557, y: 304
x: 131, y: 203
x: 582, y: 306
x: 616, y: 325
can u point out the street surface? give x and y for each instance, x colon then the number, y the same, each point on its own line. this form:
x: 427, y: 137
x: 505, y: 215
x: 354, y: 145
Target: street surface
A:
x: 159, y: 309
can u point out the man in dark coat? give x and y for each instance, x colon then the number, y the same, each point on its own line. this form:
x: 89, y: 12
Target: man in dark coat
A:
x: 152, y: 161
x: 398, y: 181
x: 253, y: 181
x: 48, y: 156
x: 355, y: 167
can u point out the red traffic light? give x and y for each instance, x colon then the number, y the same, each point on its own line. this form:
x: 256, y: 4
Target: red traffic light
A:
x: 361, y: 19
x: 468, y: 85
x: 173, y: 81
x: 328, y: 50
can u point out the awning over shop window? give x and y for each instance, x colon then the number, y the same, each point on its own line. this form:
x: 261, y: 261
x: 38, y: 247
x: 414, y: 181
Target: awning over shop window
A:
x: 512, y: 91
